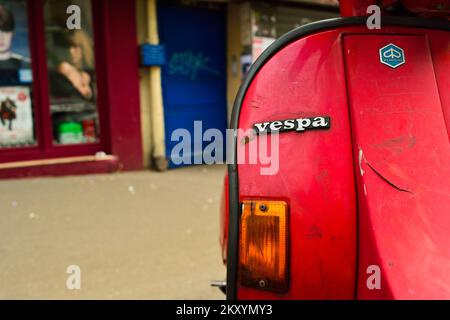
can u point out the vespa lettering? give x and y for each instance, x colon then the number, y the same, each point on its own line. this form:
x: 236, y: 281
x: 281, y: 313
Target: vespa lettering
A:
x: 299, y: 125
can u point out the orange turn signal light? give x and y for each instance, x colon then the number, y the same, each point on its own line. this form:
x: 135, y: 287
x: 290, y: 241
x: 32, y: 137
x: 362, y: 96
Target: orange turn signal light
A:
x: 263, y: 245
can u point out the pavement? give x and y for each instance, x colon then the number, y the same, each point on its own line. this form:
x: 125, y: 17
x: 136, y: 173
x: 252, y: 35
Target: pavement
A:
x: 134, y: 235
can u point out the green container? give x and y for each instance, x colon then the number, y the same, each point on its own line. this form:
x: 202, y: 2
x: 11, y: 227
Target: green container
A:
x: 70, y: 132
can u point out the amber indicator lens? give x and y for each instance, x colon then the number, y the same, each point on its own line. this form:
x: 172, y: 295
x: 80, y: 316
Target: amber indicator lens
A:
x: 263, y: 245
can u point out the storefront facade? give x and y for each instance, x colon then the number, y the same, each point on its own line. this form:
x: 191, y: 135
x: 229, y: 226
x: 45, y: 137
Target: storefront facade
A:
x: 76, y: 97
x: 69, y: 87
x: 220, y: 38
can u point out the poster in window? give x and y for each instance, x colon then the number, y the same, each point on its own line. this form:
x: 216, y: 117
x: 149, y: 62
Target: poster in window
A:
x: 71, y: 73
x: 16, y: 117
x: 15, y: 62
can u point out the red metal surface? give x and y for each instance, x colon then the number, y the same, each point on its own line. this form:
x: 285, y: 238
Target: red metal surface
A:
x: 397, y: 118
x: 422, y: 6
x: 351, y: 8
x: 316, y: 167
x: 426, y: 8
x: 404, y: 177
x: 441, y: 63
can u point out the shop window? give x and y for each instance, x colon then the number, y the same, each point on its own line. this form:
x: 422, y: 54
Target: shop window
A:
x: 71, y: 74
x: 17, y: 127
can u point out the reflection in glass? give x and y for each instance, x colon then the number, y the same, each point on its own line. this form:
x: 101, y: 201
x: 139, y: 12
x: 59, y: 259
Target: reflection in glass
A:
x: 71, y: 70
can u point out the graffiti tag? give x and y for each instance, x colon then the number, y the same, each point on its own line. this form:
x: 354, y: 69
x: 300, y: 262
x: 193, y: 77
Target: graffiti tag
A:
x: 189, y: 64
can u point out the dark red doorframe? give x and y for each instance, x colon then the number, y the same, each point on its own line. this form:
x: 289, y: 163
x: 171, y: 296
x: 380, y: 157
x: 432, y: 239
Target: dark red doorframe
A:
x: 118, y: 60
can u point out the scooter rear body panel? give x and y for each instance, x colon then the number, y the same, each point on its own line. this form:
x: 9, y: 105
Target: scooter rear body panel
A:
x: 373, y: 189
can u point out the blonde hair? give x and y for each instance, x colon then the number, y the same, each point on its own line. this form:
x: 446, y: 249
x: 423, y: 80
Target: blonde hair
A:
x: 80, y: 38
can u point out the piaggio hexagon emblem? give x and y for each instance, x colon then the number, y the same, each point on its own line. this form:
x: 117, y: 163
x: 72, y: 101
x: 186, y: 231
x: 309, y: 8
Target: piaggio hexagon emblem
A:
x: 392, y: 56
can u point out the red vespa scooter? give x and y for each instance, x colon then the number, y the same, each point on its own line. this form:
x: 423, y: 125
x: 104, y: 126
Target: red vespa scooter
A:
x: 359, y: 207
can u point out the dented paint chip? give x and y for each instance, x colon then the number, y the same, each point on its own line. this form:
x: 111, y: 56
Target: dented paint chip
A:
x: 360, y: 159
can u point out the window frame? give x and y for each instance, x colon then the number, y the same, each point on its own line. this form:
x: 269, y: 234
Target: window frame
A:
x: 44, y: 147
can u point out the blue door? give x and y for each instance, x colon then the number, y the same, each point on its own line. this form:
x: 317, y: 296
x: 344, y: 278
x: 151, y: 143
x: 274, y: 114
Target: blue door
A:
x: 194, y: 76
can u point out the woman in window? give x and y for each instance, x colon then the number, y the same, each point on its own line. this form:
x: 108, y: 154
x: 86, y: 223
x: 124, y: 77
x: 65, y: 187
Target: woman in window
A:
x: 72, y: 79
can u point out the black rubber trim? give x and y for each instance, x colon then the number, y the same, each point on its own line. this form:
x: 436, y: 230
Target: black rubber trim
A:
x: 233, y: 186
